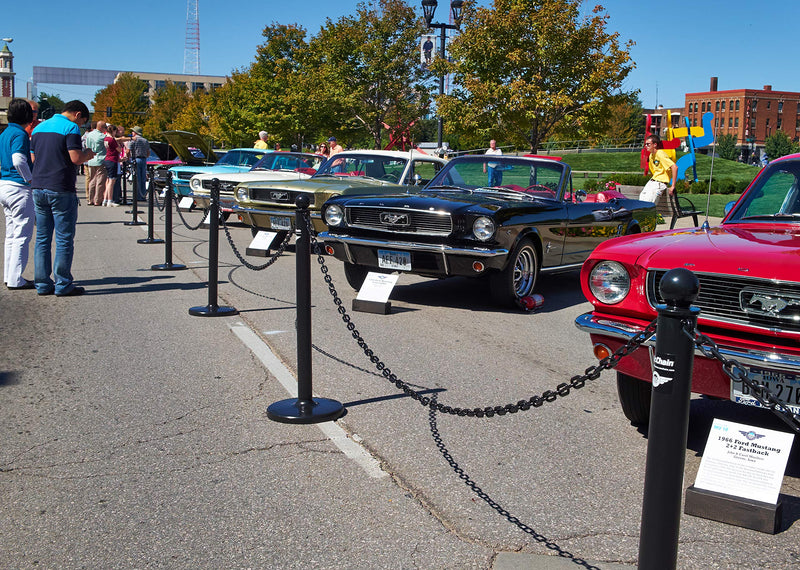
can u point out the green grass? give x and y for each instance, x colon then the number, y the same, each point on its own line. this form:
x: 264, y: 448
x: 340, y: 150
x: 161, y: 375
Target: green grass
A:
x: 716, y: 203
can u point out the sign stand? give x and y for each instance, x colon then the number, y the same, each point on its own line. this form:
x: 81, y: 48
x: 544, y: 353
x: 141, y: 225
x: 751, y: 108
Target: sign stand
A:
x: 261, y: 243
x: 740, y: 477
x: 186, y: 204
x: 373, y: 297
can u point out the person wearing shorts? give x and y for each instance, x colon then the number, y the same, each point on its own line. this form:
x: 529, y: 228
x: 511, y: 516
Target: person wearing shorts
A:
x: 662, y: 170
x: 111, y: 164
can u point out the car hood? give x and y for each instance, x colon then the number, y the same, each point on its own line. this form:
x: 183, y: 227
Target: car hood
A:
x: 254, y: 176
x: 181, y: 141
x: 734, y: 249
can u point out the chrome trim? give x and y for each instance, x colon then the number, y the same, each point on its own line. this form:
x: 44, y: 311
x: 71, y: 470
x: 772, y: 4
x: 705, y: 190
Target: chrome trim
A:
x: 404, y: 245
x: 589, y: 323
x: 288, y: 212
x: 559, y: 268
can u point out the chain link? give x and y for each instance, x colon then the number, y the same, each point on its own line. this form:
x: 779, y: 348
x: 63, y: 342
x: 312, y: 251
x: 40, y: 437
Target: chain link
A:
x: 737, y: 372
x: 180, y: 215
x: 246, y: 263
x: 548, y: 396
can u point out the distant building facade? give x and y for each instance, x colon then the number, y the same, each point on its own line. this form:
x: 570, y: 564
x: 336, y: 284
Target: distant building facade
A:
x: 191, y: 83
x: 658, y: 119
x: 751, y: 115
x: 6, y: 83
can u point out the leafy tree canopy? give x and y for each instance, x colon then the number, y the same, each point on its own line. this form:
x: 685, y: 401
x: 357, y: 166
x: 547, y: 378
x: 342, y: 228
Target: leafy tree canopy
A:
x: 779, y: 144
x: 726, y: 146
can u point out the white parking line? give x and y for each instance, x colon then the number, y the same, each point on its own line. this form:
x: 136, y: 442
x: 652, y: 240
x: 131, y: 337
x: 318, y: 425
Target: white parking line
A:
x: 332, y: 431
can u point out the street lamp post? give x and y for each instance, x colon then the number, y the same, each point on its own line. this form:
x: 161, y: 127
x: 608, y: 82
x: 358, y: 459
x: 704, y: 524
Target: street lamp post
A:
x: 428, y: 9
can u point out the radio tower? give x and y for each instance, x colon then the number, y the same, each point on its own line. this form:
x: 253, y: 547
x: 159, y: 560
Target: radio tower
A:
x: 191, y: 49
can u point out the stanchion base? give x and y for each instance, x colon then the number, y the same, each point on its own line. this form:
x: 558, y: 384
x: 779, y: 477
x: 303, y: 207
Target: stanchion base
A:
x: 167, y: 267
x: 211, y: 311
x: 148, y: 240
x: 134, y: 223
x: 295, y: 411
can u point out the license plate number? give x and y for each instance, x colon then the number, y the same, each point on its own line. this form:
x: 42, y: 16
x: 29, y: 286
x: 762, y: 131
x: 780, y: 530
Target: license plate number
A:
x: 398, y: 260
x: 280, y: 222
x: 785, y: 386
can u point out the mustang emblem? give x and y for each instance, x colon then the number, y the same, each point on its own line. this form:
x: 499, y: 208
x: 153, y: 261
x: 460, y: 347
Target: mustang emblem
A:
x: 770, y: 303
x: 279, y: 196
x: 392, y: 219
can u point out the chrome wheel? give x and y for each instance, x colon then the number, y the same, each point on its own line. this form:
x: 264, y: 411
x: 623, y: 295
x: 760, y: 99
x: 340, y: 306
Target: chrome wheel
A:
x: 518, y: 279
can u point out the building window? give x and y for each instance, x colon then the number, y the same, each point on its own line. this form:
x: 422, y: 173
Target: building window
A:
x: 723, y: 105
x: 778, y: 123
x: 716, y: 122
x: 730, y: 121
x: 736, y: 122
x: 754, y: 105
x: 694, y: 123
x: 716, y: 107
x: 695, y: 106
x: 737, y: 104
x: 780, y: 107
x: 704, y: 106
x: 769, y: 104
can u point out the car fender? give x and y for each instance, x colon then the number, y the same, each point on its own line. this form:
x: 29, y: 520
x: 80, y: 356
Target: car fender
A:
x: 531, y: 233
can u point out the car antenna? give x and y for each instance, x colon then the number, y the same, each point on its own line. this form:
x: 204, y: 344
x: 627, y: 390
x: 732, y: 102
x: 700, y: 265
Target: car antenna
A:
x: 705, y: 225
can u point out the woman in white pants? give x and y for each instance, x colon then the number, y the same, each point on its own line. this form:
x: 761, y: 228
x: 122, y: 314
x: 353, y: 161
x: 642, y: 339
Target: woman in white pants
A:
x: 15, y: 193
x: 662, y: 169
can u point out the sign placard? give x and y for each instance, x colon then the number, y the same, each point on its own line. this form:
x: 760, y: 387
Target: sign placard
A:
x: 744, y: 461
x: 377, y: 287
x: 186, y: 203
x: 261, y: 243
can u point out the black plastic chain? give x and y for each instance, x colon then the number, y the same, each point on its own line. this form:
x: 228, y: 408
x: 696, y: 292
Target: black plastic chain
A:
x: 180, y: 215
x: 738, y: 373
x: 548, y: 396
x: 270, y: 261
x: 160, y: 205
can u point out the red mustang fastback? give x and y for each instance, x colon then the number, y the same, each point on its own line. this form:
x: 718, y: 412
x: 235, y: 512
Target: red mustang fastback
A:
x: 749, y: 300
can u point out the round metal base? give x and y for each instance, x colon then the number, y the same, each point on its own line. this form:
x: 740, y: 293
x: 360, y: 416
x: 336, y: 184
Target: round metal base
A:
x: 167, y: 267
x: 136, y: 223
x: 148, y: 240
x: 295, y: 411
x: 210, y: 311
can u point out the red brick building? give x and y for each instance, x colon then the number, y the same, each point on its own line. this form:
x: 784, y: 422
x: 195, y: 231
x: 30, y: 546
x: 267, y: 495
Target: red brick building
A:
x: 750, y: 114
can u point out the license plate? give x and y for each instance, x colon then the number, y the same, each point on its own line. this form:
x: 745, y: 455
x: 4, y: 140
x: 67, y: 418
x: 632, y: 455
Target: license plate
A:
x: 398, y: 260
x: 785, y: 386
x: 280, y: 222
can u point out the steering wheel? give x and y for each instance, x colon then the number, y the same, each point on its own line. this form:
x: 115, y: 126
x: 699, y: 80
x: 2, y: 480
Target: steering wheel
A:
x: 388, y: 178
x: 540, y: 188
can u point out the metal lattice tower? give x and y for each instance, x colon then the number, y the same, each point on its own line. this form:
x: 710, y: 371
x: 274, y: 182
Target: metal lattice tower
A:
x: 191, y: 50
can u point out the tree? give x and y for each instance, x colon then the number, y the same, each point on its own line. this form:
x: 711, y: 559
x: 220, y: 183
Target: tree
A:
x: 168, y: 102
x: 369, y: 70
x: 525, y: 66
x: 127, y: 98
x: 195, y: 115
x: 779, y: 144
x: 49, y: 105
x: 726, y: 146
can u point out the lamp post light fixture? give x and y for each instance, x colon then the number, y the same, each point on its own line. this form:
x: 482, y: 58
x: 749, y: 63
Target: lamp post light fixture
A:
x: 428, y: 9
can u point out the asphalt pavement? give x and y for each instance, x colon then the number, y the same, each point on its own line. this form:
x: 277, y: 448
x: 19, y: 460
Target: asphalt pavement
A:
x: 135, y: 435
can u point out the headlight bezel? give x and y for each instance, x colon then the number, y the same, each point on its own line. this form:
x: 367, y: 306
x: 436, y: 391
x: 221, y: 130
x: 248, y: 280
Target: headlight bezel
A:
x: 333, y: 215
x: 483, y: 228
x: 195, y: 184
x: 242, y: 194
x: 609, y: 282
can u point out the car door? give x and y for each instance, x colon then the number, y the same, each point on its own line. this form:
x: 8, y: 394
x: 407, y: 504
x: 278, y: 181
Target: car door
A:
x: 587, y: 224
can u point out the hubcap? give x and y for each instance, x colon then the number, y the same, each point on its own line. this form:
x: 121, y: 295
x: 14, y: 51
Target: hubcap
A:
x: 524, y: 272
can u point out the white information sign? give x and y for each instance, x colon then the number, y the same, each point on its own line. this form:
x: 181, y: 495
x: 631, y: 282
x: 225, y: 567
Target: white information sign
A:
x: 377, y: 287
x: 186, y: 203
x: 744, y: 461
x: 263, y: 240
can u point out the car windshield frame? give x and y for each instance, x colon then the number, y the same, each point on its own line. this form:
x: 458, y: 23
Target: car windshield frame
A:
x: 774, y: 196
x: 376, y: 166
x: 303, y: 160
x: 532, y: 177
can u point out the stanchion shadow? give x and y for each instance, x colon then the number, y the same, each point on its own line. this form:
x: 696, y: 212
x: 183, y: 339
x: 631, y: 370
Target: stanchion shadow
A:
x: 9, y: 377
x: 497, y: 507
x: 99, y: 223
x: 117, y: 285
x: 289, y: 304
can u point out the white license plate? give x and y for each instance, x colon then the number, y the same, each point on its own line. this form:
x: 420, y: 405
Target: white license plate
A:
x: 280, y: 222
x: 785, y: 386
x: 398, y: 260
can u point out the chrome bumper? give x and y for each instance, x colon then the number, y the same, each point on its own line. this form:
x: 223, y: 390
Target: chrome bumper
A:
x: 625, y: 331
x: 411, y: 246
x: 289, y: 212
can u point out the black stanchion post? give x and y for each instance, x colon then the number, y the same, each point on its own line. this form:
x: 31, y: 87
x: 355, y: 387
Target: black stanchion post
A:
x: 669, y: 421
x: 150, y: 208
x: 168, y: 199
x: 135, y: 221
x: 124, y: 184
x: 304, y: 409
x: 212, y: 309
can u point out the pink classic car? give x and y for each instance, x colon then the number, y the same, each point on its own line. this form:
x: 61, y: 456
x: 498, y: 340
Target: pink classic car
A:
x: 749, y: 300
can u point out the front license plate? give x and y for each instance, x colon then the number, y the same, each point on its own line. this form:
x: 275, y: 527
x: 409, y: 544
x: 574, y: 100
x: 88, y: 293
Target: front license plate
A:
x: 280, y: 222
x: 785, y: 386
x: 398, y: 260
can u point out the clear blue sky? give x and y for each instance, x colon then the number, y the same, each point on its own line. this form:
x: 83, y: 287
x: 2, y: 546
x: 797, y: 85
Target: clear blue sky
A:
x: 679, y: 44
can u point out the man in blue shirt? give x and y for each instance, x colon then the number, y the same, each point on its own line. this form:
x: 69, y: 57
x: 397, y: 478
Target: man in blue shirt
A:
x: 57, y: 151
x: 15, y: 193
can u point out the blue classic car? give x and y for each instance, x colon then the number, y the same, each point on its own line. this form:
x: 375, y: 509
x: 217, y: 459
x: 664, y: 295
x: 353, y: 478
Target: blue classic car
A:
x: 234, y: 160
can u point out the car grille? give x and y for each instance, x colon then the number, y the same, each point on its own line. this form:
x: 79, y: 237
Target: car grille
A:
x: 186, y: 175
x: 224, y: 186
x: 760, y: 303
x: 274, y: 196
x: 400, y: 220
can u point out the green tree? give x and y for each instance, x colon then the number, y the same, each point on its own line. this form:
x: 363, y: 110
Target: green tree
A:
x: 524, y: 67
x: 127, y: 97
x: 49, y: 105
x: 195, y: 115
x: 726, y: 146
x: 167, y: 104
x: 779, y: 144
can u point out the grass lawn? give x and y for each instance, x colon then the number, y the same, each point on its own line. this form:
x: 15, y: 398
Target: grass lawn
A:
x: 716, y: 203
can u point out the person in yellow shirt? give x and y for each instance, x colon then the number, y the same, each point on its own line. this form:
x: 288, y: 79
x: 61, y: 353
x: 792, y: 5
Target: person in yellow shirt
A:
x: 662, y: 169
x: 262, y: 140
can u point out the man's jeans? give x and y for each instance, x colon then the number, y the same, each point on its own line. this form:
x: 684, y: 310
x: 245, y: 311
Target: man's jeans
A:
x: 141, y: 178
x: 55, y: 211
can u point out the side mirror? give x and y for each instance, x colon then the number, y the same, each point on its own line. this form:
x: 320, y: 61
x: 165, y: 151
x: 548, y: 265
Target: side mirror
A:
x: 417, y: 179
x: 729, y: 207
x: 580, y: 195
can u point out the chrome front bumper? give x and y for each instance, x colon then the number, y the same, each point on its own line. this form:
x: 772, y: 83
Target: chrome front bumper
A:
x: 603, y: 326
x: 288, y: 212
x: 412, y: 246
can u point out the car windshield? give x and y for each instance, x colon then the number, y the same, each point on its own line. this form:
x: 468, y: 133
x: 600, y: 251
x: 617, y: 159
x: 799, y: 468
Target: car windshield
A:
x: 500, y: 173
x: 775, y: 195
x: 288, y: 161
x: 387, y: 168
x: 239, y: 158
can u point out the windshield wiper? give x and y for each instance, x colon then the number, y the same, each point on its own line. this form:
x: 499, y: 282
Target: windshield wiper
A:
x: 777, y: 216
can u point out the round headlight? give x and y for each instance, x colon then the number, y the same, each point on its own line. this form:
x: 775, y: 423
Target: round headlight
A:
x: 334, y: 215
x: 483, y: 228
x: 195, y: 184
x: 609, y: 282
x: 241, y: 194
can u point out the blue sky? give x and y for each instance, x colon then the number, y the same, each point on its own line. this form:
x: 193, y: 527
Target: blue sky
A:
x: 679, y: 44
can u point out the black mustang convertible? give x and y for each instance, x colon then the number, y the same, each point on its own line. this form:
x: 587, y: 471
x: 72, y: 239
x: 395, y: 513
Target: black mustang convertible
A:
x: 528, y: 220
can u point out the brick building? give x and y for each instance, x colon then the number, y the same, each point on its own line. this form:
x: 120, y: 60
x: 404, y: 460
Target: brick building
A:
x: 750, y: 114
